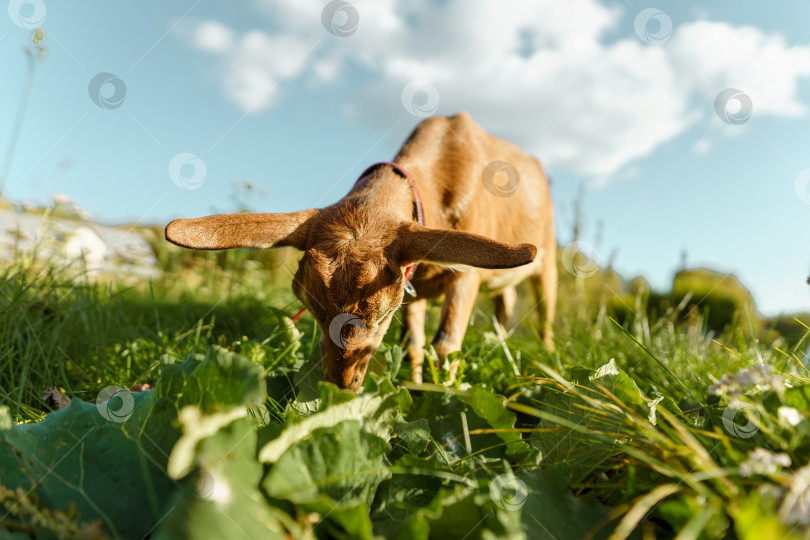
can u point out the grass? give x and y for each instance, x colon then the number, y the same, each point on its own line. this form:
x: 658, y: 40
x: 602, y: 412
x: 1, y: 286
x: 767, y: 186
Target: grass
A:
x: 59, y: 329
x: 632, y: 413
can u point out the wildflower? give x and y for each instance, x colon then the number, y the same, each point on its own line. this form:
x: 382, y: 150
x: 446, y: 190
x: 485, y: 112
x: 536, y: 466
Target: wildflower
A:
x: 746, y: 378
x: 757, y: 378
x: 764, y: 462
x: 724, y: 387
x: 771, y: 491
x: 788, y: 416
x: 795, y: 507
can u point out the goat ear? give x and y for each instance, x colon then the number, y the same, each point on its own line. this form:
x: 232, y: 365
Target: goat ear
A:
x: 225, y: 231
x: 446, y: 246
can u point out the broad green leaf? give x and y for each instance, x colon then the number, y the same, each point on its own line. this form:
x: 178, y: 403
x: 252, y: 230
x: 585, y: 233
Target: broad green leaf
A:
x: 116, y: 472
x: 485, y: 411
x: 196, y: 427
x: 227, y: 379
x: 331, y: 395
x: 415, y: 484
x: 609, y: 378
x: 217, y: 381
x: 416, y: 434
x: 393, y: 362
x: 75, y: 456
x: 491, y: 407
x: 348, y: 520
x: 531, y: 504
x: 342, y: 461
x: 376, y: 411
x: 798, y: 397
x: 455, y: 511
x: 223, y: 500
x: 551, y: 512
x: 356, y: 408
x: 307, y: 385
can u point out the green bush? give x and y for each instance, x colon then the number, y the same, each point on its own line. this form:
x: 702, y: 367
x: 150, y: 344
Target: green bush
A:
x: 724, y: 301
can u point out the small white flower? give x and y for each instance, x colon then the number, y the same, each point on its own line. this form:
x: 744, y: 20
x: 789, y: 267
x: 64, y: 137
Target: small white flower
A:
x: 771, y: 491
x: 795, y: 507
x: 725, y: 386
x: 746, y: 378
x: 789, y: 416
x: 757, y: 378
x: 762, y: 461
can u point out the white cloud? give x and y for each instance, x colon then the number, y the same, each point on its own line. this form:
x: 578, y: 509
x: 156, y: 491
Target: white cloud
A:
x: 713, y: 56
x: 540, y: 73
x: 213, y: 36
x: 258, y: 63
x: 254, y: 64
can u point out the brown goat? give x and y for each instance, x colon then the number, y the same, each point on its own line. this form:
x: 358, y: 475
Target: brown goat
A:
x: 489, y: 218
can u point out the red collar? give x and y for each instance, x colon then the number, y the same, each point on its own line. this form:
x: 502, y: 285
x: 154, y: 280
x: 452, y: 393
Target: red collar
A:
x: 420, y: 219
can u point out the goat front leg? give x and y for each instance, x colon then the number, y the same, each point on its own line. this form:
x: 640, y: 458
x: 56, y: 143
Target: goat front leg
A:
x: 545, y: 291
x: 414, y: 328
x: 458, y: 304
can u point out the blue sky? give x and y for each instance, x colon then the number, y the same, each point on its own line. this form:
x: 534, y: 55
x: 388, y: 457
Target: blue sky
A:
x: 609, y: 95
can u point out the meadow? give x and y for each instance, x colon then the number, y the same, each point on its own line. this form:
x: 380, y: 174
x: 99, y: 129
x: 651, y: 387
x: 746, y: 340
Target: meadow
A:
x: 196, y: 410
